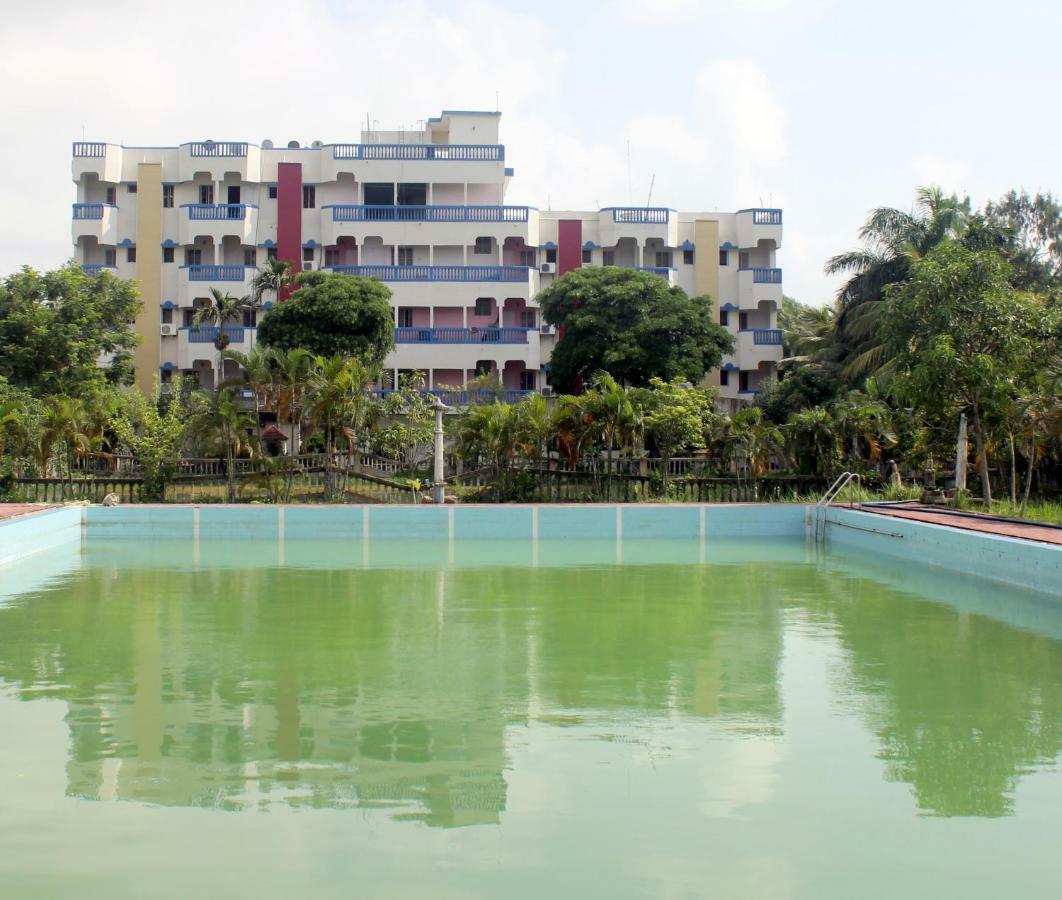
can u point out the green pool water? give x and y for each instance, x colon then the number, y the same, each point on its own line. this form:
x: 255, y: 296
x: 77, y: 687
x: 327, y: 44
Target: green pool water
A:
x: 751, y: 720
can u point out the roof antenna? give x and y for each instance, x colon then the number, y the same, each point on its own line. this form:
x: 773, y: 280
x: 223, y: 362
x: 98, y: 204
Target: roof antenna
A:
x: 649, y: 199
x: 496, y: 102
x: 630, y: 192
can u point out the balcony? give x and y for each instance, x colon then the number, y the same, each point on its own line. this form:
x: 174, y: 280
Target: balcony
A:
x: 97, y: 268
x: 217, y: 148
x: 638, y: 222
x: 509, y: 274
x: 447, y: 152
x: 464, y: 398
x: 197, y: 342
x: 665, y: 272
x: 756, y: 225
x: 206, y: 212
x: 89, y: 149
x: 207, y: 334
x: 758, y: 345
x: 96, y: 158
x: 95, y: 220
x: 225, y: 272
x: 352, y: 213
x: 767, y: 336
x: 758, y: 285
x: 763, y: 275
x: 218, y: 221
x: 461, y: 335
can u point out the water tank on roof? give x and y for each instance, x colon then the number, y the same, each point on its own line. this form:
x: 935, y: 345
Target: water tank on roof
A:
x: 293, y: 145
x: 267, y: 144
x: 317, y: 145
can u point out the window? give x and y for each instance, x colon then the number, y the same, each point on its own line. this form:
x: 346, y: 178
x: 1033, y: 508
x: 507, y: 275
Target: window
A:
x: 527, y: 258
x: 109, y: 257
x: 551, y: 256
x: 271, y: 252
x: 112, y: 196
x: 130, y: 254
x: 587, y: 256
x: 250, y: 256
x: 743, y: 381
x: 484, y: 367
x: 167, y: 196
x: 250, y: 318
x: 131, y: 188
x: 405, y: 317
x: 483, y: 245
x: 529, y: 318
x: 206, y: 194
x: 743, y: 259
x: 167, y: 254
x: 608, y: 257
x: 724, y: 377
x: 167, y: 317
x: 307, y: 254
x: 331, y: 256
x: 724, y: 317
x: 405, y: 256
x: 193, y: 256
x: 724, y: 257
x: 166, y: 376
x: 743, y: 321
x: 309, y: 196
x: 663, y: 259
x: 272, y: 192
x: 527, y: 380
x: 484, y: 306
x: 687, y: 257
x: 189, y: 318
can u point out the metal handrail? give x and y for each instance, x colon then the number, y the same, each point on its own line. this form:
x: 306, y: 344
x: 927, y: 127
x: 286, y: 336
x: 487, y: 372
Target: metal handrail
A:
x: 840, y: 483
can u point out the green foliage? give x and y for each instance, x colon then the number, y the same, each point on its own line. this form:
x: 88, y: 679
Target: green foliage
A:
x: 55, y: 325
x: 332, y: 315
x: 410, y: 434
x: 802, y: 387
x: 632, y: 325
x: 154, y: 431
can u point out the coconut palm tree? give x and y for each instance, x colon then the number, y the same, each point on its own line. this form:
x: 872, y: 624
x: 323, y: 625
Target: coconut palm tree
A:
x: 756, y: 437
x: 490, y: 432
x: 224, y: 422
x: 615, y: 415
x: 274, y: 278
x: 259, y: 372
x: 811, y: 441
x: 222, y: 309
x: 892, y: 239
x: 63, y: 422
x: 291, y: 370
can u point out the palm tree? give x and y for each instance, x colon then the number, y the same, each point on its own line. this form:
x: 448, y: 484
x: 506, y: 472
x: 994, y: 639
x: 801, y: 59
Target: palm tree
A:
x: 339, y: 402
x: 274, y: 278
x: 756, y: 437
x: 259, y: 372
x: 225, y: 423
x: 63, y: 422
x: 615, y: 415
x: 863, y: 423
x: 892, y: 239
x: 812, y: 441
x: 291, y: 370
x: 491, y: 432
x: 222, y: 309
x: 534, y: 426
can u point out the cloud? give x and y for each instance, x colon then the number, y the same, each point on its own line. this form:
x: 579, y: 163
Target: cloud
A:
x: 949, y: 174
x: 743, y: 101
x: 672, y: 12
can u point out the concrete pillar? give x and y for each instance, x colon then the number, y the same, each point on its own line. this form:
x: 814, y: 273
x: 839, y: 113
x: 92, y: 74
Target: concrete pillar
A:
x: 438, y: 491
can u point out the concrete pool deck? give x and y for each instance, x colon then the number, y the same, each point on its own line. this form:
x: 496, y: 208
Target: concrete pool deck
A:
x: 967, y: 521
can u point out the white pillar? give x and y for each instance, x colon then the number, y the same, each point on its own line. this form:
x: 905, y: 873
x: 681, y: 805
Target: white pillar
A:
x: 438, y: 490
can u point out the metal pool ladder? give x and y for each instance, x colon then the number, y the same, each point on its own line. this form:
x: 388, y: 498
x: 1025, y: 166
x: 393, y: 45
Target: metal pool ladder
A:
x: 842, y: 481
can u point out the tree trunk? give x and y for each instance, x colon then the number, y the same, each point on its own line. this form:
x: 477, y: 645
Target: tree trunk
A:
x: 1013, y: 470
x: 982, y: 457
x: 1029, y: 475
x: 329, y: 443
x: 961, y: 455
x: 230, y: 473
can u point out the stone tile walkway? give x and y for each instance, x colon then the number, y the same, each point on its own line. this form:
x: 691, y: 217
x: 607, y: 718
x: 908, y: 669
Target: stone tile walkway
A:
x: 971, y: 522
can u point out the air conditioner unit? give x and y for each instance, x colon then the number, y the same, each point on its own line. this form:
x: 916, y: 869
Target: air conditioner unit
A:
x: 165, y: 389
x: 547, y: 391
x: 547, y: 329
x: 307, y: 267
x: 548, y: 268
x: 167, y: 330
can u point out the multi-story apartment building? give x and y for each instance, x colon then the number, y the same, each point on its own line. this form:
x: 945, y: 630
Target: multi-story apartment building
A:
x: 425, y: 213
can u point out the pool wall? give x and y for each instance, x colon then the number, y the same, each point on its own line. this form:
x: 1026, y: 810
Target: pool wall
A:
x: 38, y: 532
x: 1005, y: 560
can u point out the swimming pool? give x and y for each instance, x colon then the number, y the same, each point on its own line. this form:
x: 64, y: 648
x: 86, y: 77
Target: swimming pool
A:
x: 279, y: 707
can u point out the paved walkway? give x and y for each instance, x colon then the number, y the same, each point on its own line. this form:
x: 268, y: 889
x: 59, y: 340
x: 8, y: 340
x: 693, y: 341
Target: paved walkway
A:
x: 971, y: 522
x: 10, y: 510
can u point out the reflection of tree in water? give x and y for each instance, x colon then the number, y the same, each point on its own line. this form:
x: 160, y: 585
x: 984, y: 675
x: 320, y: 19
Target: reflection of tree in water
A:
x: 967, y: 703
x: 385, y: 689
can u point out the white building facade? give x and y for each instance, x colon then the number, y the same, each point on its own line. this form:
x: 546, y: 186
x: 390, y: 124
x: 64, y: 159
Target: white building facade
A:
x: 425, y: 213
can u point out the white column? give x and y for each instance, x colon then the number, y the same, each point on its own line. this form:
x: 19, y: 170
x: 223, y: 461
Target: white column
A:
x: 431, y: 200
x: 438, y: 491
x: 431, y: 316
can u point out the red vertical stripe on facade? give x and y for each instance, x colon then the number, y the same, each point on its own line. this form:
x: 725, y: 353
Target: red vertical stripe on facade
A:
x: 289, y: 216
x: 569, y: 245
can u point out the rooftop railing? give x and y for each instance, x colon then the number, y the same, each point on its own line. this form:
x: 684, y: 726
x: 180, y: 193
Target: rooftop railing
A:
x: 416, y: 335
x: 764, y: 216
x: 91, y: 210
x: 451, y: 152
x: 226, y: 272
x: 211, y: 211
x: 437, y: 273
x: 763, y: 275
x: 96, y: 268
x: 89, y: 149
x: 218, y: 148
x: 639, y: 215
x: 207, y: 334
x: 356, y: 213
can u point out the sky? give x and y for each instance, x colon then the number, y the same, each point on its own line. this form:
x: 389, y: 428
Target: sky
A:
x: 824, y: 108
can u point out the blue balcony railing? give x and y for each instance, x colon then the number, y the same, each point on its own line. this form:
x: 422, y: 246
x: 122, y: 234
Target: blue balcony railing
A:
x: 91, y: 210
x: 463, y: 398
x: 227, y: 272
x: 96, y: 268
x: 639, y: 215
x: 211, y: 211
x: 761, y: 275
x: 437, y: 273
x: 764, y: 216
x: 353, y: 213
x: 416, y: 335
x: 662, y: 271
x: 218, y: 148
x: 207, y: 334
x: 450, y: 152
x: 94, y: 149
x: 766, y: 336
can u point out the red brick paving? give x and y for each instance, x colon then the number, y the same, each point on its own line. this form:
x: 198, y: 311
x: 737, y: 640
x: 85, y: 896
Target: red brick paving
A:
x: 10, y: 510
x: 1044, y: 533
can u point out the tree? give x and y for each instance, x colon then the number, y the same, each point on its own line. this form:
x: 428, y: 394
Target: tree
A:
x: 258, y: 370
x: 632, y: 325
x: 222, y: 309
x: 1027, y: 231
x: 223, y: 423
x: 154, y: 431
x: 54, y: 326
x: 333, y: 314
x: 490, y: 432
x: 273, y: 279
x: 960, y: 333
x: 756, y: 438
x: 610, y: 405
x: 811, y: 439
x: 676, y: 417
